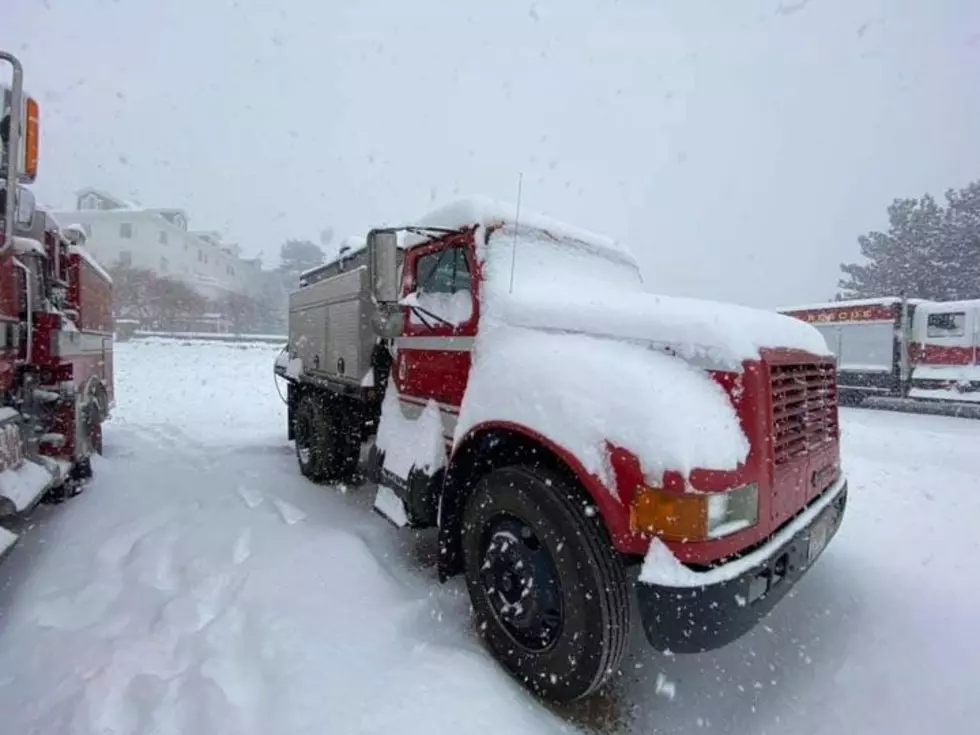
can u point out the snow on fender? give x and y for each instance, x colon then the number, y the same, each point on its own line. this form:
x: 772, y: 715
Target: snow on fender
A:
x: 407, y: 444
x: 581, y: 392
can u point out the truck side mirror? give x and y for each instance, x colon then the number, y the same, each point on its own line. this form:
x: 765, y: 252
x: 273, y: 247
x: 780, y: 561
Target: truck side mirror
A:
x: 25, y: 205
x: 382, y: 247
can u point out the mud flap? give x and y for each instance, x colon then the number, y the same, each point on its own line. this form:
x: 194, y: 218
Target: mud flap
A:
x: 390, y: 506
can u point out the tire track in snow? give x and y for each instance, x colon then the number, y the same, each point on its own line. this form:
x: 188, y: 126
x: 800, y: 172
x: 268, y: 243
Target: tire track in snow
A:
x: 174, y: 442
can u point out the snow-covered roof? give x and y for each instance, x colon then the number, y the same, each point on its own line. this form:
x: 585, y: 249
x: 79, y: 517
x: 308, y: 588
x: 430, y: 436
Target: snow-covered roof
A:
x: 881, y: 301
x: 123, y: 203
x: 24, y: 245
x: 354, y: 243
x: 943, y: 307
x: 485, y: 212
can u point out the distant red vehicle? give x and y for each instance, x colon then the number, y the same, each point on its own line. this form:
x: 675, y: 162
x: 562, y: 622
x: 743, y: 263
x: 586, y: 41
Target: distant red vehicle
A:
x: 56, y: 385
x: 894, y: 348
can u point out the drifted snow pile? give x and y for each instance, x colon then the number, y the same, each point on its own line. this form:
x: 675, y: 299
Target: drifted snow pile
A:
x: 410, y: 443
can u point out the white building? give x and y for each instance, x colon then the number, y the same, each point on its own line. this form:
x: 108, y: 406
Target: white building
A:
x: 121, y: 233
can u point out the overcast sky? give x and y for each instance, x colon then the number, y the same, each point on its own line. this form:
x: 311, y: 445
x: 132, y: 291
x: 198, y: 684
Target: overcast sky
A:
x: 738, y: 146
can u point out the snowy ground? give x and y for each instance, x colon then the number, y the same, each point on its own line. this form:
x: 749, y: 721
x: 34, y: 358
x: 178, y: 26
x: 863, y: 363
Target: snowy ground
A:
x: 201, y: 586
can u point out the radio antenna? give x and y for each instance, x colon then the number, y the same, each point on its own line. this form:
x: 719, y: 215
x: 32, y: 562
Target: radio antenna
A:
x: 517, y: 224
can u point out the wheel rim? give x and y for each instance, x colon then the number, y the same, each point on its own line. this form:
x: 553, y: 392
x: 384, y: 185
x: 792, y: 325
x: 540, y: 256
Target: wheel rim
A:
x: 520, y: 583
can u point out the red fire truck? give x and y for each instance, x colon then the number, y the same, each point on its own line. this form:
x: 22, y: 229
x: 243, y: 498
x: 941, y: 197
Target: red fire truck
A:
x: 577, y: 441
x: 911, y: 354
x: 55, y: 332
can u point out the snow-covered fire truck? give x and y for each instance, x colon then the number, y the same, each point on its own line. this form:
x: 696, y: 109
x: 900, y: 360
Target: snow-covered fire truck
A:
x: 903, y: 353
x: 576, y: 440
x: 55, y: 332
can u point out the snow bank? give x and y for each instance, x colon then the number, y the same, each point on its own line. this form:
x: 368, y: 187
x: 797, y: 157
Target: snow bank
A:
x: 945, y: 394
x: 545, y: 284
x: 952, y: 373
x: 407, y: 443
x: 582, y: 391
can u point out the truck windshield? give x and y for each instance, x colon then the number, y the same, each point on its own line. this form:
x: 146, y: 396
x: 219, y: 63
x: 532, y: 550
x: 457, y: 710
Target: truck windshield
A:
x: 536, y: 261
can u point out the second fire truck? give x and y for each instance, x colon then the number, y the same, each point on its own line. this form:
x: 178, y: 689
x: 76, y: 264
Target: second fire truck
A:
x: 56, y: 384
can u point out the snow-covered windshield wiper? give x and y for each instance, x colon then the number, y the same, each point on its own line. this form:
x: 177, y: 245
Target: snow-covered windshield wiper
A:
x: 423, y: 313
x: 411, y: 301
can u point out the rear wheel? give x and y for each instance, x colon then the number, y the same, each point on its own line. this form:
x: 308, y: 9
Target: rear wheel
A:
x: 324, y: 451
x: 548, y: 590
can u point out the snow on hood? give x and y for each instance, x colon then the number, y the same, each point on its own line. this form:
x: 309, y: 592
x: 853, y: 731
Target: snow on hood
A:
x: 714, y: 335
x: 582, y: 392
x: 536, y: 281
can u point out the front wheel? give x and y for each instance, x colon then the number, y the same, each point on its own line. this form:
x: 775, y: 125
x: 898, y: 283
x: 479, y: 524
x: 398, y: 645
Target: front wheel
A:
x: 547, y: 587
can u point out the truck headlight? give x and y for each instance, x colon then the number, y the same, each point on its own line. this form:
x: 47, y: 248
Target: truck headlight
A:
x: 694, y: 516
x: 733, y: 511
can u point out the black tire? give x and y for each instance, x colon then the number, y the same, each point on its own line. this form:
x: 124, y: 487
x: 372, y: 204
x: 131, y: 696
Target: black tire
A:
x: 565, y: 636
x: 324, y: 451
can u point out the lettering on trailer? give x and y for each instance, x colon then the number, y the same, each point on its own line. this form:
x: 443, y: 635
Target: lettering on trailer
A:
x: 846, y: 314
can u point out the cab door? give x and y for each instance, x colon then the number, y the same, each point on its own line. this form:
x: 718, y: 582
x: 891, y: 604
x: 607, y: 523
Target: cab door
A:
x: 441, y: 315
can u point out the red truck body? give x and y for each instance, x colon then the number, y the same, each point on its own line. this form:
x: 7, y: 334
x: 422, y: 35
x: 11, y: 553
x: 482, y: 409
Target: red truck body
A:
x: 364, y: 359
x: 56, y: 379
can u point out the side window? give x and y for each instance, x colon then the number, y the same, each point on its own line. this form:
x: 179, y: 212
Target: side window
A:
x: 444, y: 272
x: 946, y: 325
x: 126, y: 230
x: 442, y: 289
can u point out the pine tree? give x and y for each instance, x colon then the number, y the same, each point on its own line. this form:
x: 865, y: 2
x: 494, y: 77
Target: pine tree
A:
x: 962, y: 255
x: 911, y: 259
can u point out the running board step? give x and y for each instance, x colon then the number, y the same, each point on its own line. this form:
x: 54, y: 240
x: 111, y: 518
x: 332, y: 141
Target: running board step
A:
x: 390, y: 506
x: 7, y: 541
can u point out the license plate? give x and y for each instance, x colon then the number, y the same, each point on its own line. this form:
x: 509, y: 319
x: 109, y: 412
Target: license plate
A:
x: 818, y: 539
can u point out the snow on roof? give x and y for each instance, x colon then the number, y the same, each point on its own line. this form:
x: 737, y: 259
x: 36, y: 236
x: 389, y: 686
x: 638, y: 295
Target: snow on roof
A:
x: 880, y: 301
x: 88, y: 258
x: 485, y: 212
x: 27, y: 245
x: 557, y: 290
x: 125, y: 204
x: 354, y: 243
x: 944, y: 307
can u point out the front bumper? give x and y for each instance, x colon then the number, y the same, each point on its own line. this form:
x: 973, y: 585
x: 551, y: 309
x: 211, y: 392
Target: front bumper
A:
x: 738, y: 594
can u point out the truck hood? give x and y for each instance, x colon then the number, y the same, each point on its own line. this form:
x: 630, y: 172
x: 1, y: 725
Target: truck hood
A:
x: 709, y: 334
